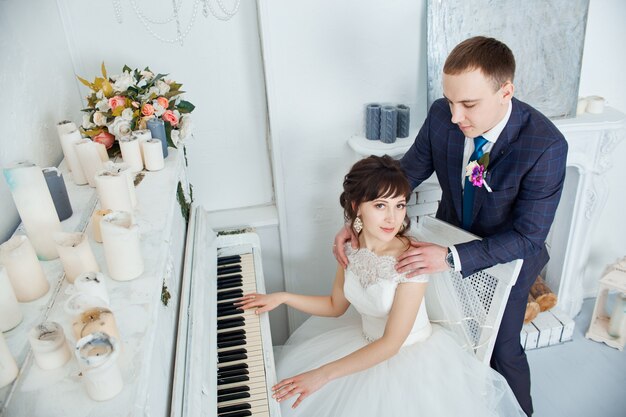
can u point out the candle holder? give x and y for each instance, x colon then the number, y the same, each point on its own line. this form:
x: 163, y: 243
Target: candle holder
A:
x: 24, y: 270
x: 49, y: 346
x: 122, y: 247
x: 8, y: 367
x: 58, y: 192
x: 600, y: 328
x: 75, y: 253
x: 97, y: 356
x: 10, y: 313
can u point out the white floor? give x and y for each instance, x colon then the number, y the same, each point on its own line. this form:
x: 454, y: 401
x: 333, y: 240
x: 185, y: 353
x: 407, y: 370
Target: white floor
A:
x: 580, y: 378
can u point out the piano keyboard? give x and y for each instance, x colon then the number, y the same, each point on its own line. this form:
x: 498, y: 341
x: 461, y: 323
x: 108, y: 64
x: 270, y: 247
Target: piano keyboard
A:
x: 224, y: 358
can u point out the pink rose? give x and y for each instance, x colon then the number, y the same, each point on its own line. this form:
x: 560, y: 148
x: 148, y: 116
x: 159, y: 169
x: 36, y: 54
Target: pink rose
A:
x: 116, y: 102
x: 163, y: 102
x: 147, y: 109
x: 170, y: 117
x: 104, y: 138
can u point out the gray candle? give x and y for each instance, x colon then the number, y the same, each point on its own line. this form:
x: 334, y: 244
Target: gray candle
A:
x: 56, y: 185
x: 388, y: 124
x: 157, y: 129
x: 403, y: 121
x: 372, y: 121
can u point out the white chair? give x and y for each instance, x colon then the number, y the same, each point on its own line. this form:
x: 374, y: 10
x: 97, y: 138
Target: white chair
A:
x: 471, y: 307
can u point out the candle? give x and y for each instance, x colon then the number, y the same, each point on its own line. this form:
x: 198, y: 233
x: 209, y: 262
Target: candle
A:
x: 92, y: 284
x: 595, y: 104
x: 113, y: 190
x: 388, y: 124
x: 68, y: 138
x: 24, y: 270
x: 95, y: 224
x: 97, y: 357
x: 122, y: 248
x: 95, y: 319
x: 157, y: 129
x: 49, y: 346
x: 10, y: 313
x: 130, y: 177
x: 66, y: 126
x: 153, y: 154
x: 89, y: 159
x: 131, y: 153
x: 8, y: 367
x: 75, y: 253
x: 58, y: 192
x: 142, y: 135
x: 372, y: 121
x: 35, y: 206
x: 403, y: 121
x: 102, y: 151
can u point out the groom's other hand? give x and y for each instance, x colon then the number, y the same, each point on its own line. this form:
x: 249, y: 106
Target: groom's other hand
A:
x: 345, y: 234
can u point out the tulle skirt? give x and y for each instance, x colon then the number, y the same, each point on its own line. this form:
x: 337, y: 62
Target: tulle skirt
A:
x: 435, y: 377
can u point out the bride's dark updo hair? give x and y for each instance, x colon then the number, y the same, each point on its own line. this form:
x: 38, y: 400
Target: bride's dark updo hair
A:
x: 371, y: 178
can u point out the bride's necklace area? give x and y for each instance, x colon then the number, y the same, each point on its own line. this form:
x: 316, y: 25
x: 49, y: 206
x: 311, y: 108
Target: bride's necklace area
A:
x: 224, y: 14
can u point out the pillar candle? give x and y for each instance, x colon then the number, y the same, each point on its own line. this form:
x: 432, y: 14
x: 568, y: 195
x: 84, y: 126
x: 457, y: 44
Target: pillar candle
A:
x: 95, y: 319
x: 157, y: 129
x: 89, y: 159
x: 8, y: 367
x: 372, y: 121
x: 49, y: 345
x: 129, y: 145
x: 142, y: 135
x: 595, y: 104
x: 113, y: 190
x: 68, y: 139
x: 388, y: 124
x: 122, y: 247
x: 58, y: 192
x: 92, y: 284
x: 75, y: 253
x: 24, y: 270
x: 97, y: 357
x: 130, y: 178
x: 95, y: 224
x: 102, y: 151
x: 10, y: 313
x: 65, y: 126
x: 153, y: 154
x: 35, y: 206
x: 404, y: 114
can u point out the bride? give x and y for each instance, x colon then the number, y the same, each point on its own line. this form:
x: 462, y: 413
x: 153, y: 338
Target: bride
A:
x: 389, y: 359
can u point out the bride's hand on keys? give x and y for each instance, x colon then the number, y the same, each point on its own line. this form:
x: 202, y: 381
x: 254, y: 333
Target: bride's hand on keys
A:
x: 303, y: 385
x: 262, y: 302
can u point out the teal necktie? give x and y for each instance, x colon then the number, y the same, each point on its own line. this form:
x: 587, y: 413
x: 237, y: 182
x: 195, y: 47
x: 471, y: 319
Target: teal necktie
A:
x: 469, y: 189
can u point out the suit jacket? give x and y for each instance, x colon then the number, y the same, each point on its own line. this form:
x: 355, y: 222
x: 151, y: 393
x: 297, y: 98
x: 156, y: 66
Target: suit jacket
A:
x: 526, y: 173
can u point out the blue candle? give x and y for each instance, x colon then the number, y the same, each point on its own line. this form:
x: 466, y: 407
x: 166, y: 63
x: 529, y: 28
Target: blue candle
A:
x: 56, y: 185
x: 372, y: 121
x: 388, y: 124
x: 157, y: 129
x: 403, y: 121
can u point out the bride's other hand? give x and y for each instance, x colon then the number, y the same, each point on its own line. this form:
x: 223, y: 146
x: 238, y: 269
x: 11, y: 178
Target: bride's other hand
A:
x: 422, y: 258
x: 262, y: 302
x: 345, y: 234
x: 303, y: 385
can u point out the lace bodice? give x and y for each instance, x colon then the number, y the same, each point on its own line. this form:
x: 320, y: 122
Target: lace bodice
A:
x: 370, y: 285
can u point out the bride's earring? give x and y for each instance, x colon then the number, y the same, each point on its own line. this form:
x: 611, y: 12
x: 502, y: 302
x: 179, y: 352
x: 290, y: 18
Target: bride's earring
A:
x: 358, y: 225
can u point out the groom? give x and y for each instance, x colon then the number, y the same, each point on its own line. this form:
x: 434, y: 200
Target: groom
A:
x: 512, y: 209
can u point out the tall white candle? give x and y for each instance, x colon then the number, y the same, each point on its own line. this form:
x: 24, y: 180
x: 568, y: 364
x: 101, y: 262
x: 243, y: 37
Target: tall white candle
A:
x: 24, y: 270
x: 68, y: 138
x: 8, y: 367
x: 76, y: 255
x: 153, y: 154
x: 130, y: 178
x: 10, y: 313
x: 129, y: 145
x: 89, y: 159
x: 34, y: 203
x: 66, y: 126
x: 122, y: 247
x: 97, y: 357
x: 102, y: 151
x: 95, y: 224
x: 49, y: 345
x: 113, y: 190
x: 142, y: 135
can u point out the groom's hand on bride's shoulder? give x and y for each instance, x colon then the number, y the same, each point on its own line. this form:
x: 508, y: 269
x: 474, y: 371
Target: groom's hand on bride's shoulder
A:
x: 344, y: 235
x: 422, y: 258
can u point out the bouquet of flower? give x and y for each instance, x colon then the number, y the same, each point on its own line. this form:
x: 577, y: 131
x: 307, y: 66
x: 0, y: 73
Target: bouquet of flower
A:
x: 122, y: 103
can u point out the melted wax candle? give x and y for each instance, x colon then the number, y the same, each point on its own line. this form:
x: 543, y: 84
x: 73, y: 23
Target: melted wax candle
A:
x: 97, y: 319
x: 24, y: 270
x: 97, y: 356
x: 75, y: 253
x: 49, y: 346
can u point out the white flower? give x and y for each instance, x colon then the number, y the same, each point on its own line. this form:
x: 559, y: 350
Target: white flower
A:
x: 103, y: 105
x: 158, y: 109
x: 175, y: 135
x: 123, y: 82
x: 147, y: 75
x: 119, y: 127
x: 87, y: 122
x: 127, y: 114
x: 99, y: 118
x: 185, y: 126
x: 99, y: 94
x: 163, y: 87
x: 153, y: 90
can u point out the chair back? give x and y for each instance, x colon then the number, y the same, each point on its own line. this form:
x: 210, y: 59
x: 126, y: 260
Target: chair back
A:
x: 471, y: 307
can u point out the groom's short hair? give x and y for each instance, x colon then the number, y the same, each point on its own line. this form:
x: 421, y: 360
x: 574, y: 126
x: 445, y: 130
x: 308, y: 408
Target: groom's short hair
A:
x: 489, y: 55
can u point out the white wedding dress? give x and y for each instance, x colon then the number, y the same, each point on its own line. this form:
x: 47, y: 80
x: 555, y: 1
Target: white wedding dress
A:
x: 430, y: 376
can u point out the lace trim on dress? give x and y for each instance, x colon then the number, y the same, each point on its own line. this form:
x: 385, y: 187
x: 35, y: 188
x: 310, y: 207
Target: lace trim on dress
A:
x: 371, y: 269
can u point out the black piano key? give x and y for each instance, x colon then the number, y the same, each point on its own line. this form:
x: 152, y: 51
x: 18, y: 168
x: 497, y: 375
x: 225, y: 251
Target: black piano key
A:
x: 231, y: 343
x: 229, y: 368
x: 233, y: 390
x: 229, y: 269
x: 224, y: 260
x: 232, y: 379
x: 227, y: 295
x: 233, y: 338
x: 230, y: 334
x: 229, y: 277
x: 234, y: 407
x: 230, y: 312
x: 236, y: 372
x: 232, y: 358
x: 227, y: 305
x: 237, y: 396
x: 243, y: 413
x: 231, y: 352
x: 230, y: 284
x: 230, y: 320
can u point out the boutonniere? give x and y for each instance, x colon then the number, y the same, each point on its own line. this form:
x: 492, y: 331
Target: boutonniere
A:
x: 476, y: 171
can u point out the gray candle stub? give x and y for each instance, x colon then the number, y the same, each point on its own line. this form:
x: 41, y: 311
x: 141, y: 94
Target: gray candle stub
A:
x: 58, y: 192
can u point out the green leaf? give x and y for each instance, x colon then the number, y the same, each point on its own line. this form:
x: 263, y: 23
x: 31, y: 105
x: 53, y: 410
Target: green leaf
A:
x: 168, y: 134
x: 104, y: 70
x: 484, y: 160
x: 126, y: 68
x: 185, y: 107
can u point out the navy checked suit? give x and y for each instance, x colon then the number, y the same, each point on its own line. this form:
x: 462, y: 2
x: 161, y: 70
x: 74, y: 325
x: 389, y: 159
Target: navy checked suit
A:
x: 526, y: 174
